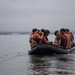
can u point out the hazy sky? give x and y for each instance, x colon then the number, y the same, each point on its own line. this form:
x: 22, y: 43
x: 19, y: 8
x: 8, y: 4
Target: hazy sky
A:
x: 24, y: 15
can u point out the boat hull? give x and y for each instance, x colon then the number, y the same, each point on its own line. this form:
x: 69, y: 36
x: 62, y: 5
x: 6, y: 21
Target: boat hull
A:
x: 49, y: 49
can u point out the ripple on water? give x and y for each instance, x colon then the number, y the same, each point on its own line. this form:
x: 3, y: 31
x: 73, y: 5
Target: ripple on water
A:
x: 46, y: 65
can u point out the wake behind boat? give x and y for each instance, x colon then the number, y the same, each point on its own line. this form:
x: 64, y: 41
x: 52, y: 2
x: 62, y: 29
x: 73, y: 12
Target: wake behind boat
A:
x: 45, y: 49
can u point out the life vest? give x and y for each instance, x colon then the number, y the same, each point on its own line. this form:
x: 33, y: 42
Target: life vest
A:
x: 63, y: 41
x: 34, y: 37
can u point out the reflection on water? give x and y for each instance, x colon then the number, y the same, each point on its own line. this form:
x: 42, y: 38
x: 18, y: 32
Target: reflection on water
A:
x: 55, y: 65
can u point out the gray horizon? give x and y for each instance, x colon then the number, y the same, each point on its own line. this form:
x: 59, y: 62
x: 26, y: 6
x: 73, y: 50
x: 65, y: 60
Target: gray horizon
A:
x: 24, y: 15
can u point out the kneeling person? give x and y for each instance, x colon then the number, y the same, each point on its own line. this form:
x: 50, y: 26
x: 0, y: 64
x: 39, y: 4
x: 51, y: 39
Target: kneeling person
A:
x: 35, y: 38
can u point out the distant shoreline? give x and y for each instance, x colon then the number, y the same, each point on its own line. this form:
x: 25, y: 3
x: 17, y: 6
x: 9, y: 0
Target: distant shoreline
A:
x: 21, y: 33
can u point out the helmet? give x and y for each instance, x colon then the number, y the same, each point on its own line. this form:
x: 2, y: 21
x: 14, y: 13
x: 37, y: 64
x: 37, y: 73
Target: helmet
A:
x: 67, y: 30
x: 35, y: 29
x: 43, y: 30
x: 48, y: 32
x: 56, y: 32
x: 62, y: 30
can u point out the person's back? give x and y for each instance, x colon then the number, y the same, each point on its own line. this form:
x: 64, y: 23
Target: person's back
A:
x: 68, y: 38
x: 60, y: 39
x: 34, y: 38
x: 47, y: 33
x: 72, y: 38
x: 63, y: 41
x: 45, y: 38
x: 63, y: 38
x: 57, y: 40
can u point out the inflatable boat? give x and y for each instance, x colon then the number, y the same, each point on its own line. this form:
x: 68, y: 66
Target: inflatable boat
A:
x: 44, y: 49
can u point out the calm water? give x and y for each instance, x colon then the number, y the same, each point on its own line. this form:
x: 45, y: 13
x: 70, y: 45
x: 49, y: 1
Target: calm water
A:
x: 14, y: 59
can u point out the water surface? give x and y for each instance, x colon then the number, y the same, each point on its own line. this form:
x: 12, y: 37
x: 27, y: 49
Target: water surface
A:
x: 14, y: 59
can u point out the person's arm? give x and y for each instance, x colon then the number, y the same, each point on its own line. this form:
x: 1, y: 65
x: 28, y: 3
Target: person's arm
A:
x: 59, y: 42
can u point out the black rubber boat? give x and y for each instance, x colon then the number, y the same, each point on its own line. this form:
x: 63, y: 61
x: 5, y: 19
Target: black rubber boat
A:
x: 49, y: 50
